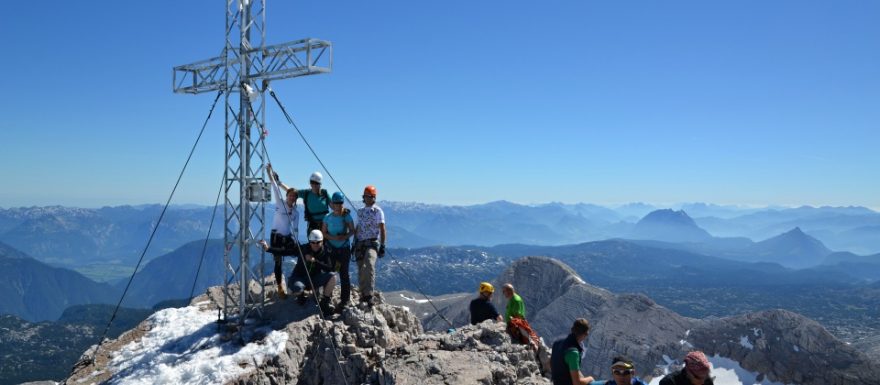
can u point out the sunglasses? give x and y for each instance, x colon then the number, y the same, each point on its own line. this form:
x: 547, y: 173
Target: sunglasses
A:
x: 622, y: 372
x: 315, y: 242
x: 369, y: 196
x: 313, y: 182
x: 337, y: 203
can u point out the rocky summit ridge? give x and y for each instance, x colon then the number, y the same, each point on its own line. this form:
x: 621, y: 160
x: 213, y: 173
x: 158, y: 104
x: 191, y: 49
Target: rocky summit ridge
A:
x: 383, y: 344
x: 387, y: 344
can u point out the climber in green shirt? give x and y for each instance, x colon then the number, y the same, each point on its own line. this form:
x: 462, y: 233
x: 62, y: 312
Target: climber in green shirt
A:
x: 515, y: 316
x: 515, y: 306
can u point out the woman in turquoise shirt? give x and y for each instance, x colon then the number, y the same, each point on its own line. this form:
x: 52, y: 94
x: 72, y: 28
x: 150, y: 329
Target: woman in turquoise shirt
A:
x: 338, y: 227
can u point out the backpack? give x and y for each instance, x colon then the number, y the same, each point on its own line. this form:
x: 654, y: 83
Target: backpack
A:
x: 310, y: 216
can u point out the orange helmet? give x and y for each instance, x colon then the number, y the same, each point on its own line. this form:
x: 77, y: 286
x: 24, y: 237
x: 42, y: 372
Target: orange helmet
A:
x: 370, y: 190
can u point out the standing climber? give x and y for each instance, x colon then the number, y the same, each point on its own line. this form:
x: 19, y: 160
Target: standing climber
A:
x: 482, y: 307
x: 515, y: 316
x: 565, y: 361
x: 369, y: 244
x: 285, y: 225
x: 338, y: 227
x: 316, y: 202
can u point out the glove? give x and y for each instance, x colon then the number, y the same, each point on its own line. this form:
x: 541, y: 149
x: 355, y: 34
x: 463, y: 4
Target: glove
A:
x: 275, y: 176
x: 381, y: 250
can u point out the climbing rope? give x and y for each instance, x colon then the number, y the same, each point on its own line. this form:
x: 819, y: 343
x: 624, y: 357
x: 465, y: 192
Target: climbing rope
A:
x: 419, y: 288
x: 207, y: 236
x: 155, y: 228
x: 277, y: 191
x: 323, y: 166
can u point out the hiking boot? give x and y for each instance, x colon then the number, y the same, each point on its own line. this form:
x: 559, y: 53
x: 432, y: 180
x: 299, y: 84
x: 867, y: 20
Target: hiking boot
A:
x: 281, y: 293
x: 326, y: 308
x: 302, y: 299
x: 340, y: 307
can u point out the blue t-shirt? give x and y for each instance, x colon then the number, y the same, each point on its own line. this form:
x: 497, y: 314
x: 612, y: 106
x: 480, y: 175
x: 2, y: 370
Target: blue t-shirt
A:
x: 337, y: 225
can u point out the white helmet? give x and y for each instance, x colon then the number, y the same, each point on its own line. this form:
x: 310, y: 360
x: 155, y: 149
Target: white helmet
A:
x: 316, y: 236
x: 316, y: 177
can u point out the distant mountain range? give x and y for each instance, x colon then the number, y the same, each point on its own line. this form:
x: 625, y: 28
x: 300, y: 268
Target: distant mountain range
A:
x: 794, y: 248
x: 36, y: 291
x: 72, y: 237
x: 105, y: 242
x: 173, y: 276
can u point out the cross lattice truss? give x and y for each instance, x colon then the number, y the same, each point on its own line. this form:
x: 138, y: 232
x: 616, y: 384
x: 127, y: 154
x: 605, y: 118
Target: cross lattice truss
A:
x: 243, y: 71
x: 280, y: 61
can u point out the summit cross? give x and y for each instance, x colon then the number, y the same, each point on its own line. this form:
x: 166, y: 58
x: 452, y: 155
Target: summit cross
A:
x: 243, y: 72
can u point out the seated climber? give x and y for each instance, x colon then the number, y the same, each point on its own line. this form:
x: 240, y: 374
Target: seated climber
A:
x: 565, y: 360
x: 312, y: 268
x: 695, y: 372
x: 515, y: 316
x: 623, y: 372
x: 482, y: 307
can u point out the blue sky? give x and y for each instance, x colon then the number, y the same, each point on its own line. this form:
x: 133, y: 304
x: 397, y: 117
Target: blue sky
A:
x: 458, y: 102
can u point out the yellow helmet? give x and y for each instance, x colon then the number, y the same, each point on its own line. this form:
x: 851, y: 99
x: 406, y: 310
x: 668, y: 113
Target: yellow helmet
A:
x: 486, y: 287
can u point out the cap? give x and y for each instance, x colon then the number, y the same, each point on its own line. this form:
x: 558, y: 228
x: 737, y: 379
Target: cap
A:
x: 697, y: 363
x: 622, y: 362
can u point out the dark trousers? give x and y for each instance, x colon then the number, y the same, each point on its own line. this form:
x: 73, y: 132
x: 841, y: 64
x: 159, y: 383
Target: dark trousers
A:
x: 278, y: 242
x: 341, y: 258
x: 314, y: 225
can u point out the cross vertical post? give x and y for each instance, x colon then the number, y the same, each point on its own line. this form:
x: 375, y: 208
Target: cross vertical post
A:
x: 243, y: 72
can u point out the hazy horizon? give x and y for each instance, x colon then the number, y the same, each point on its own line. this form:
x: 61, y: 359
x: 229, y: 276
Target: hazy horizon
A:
x: 612, y: 206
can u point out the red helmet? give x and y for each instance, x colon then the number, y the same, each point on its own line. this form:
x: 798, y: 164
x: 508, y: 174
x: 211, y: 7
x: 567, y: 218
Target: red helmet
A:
x: 370, y: 190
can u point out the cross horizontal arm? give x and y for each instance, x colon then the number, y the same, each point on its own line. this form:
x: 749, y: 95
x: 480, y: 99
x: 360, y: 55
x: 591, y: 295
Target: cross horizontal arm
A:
x: 280, y: 61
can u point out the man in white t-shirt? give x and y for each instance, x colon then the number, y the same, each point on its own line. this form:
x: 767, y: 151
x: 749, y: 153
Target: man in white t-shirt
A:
x: 285, y: 225
x: 369, y: 244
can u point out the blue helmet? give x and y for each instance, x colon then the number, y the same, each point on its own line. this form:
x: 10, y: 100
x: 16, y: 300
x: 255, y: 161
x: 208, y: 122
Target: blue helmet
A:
x: 338, y: 197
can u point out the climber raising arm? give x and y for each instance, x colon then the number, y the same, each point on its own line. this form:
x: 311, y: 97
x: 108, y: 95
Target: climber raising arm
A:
x: 273, y: 177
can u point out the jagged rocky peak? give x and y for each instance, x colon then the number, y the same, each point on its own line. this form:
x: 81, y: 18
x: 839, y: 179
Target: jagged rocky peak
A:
x: 382, y: 344
x: 541, y: 280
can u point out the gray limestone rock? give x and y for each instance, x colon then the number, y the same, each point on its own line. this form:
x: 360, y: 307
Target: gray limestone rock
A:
x: 382, y: 344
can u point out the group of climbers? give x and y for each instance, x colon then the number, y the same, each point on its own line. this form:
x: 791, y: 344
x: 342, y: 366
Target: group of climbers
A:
x: 567, y: 353
x: 329, y: 249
